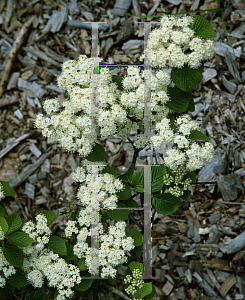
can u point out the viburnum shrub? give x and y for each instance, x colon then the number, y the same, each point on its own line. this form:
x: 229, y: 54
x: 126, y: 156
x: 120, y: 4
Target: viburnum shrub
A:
x: 30, y: 254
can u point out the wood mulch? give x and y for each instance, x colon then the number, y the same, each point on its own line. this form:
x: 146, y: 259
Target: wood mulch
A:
x: 198, y: 252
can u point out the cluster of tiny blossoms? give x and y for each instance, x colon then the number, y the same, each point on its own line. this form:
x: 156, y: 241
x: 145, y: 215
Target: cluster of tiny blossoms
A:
x: 169, y: 44
x: 134, y: 282
x: 177, y: 155
x: 114, y: 243
x: 6, y: 268
x: 40, y: 264
x: 39, y: 232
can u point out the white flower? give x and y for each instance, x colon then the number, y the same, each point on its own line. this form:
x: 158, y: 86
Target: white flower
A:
x: 1, y: 192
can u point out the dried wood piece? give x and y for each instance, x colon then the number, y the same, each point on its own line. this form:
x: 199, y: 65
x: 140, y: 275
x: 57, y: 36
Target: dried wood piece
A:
x: 28, y: 170
x: 57, y: 19
x: 126, y: 31
x: 231, y: 86
x: 81, y: 24
x: 228, y: 284
x: 42, y: 73
x: 8, y: 100
x: 13, y: 144
x: 41, y: 55
x: 13, y: 53
x: 232, y: 67
x: 121, y: 7
x: 217, y: 263
x: 203, y: 284
x: 229, y: 186
x: 30, y: 190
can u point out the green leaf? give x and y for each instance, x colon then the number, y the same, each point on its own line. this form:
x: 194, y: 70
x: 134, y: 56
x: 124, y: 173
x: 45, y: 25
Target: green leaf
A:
x: 104, y: 217
x: 136, y: 236
x: 136, y: 252
x: 82, y: 264
x: 118, y: 215
x: 36, y: 295
x: 125, y: 193
x: 191, y: 106
x: 179, y: 99
x: 18, y: 279
x: 20, y: 239
x: 57, y: 244
x: 136, y: 265
x: 75, y: 215
x: 145, y: 290
x: 186, y: 78
x: 127, y: 177
x: 13, y: 255
x: 157, y: 173
x: 2, y: 211
x: 14, y: 222
x: 51, y: 216
x: 4, y: 225
x: 7, y: 292
x: 198, y: 135
x: 110, y: 170
x: 97, y: 154
x: 138, y: 181
x: 118, y: 80
x: 127, y: 272
x: 152, y: 294
x: 84, y: 285
x: 202, y: 27
x: 186, y: 195
x: 70, y: 254
x: 190, y: 175
x: 8, y: 191
x: 130, y: 203
x: 166, y: 203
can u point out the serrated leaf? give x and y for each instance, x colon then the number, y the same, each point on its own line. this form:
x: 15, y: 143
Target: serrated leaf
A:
x: 18, y: 279
x: 127, y: 177
x: 84, y: 285
x: 20, y: 239
x: 157, y: 173
x: 51, y: 216
x: 198, y: 135
x: 70, y: 254
x: 2, y: 211
x: 202, y: 27
x: 186, y: 195
x: 57, y: 244
x: 130, y: 203
x: 36, y: 295
x: 136, y: 252
x: 97, y: 154
x: 186, y: 78
x: 6, y: 292
x: 14, y: 222
x: 4, y: 225
x: 145, y: 290
x: 110, y: 170
x: 118, y: 80
x: 118, y: 215
x: 135, y: 265
x: 13, y: 255
x: 152, y: 294
x: 125, y: 193
x: 8, y: 191
x: 138, y: 181
x: 191, y: 105
x: 82, y: 264
x: 136, y: 236
x: 179, y: 99
x: 166, y: 203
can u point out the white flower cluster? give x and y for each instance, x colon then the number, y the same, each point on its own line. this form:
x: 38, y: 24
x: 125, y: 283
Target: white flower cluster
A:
x: 6, y: 269
x: 134, y: 282
x: 39, y: 232
x: 176, y: 156
x: 1, y: 192
x: 107, y: 184
x: 41, y: 264
x: 112, y: 244
x: 170, y: 42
